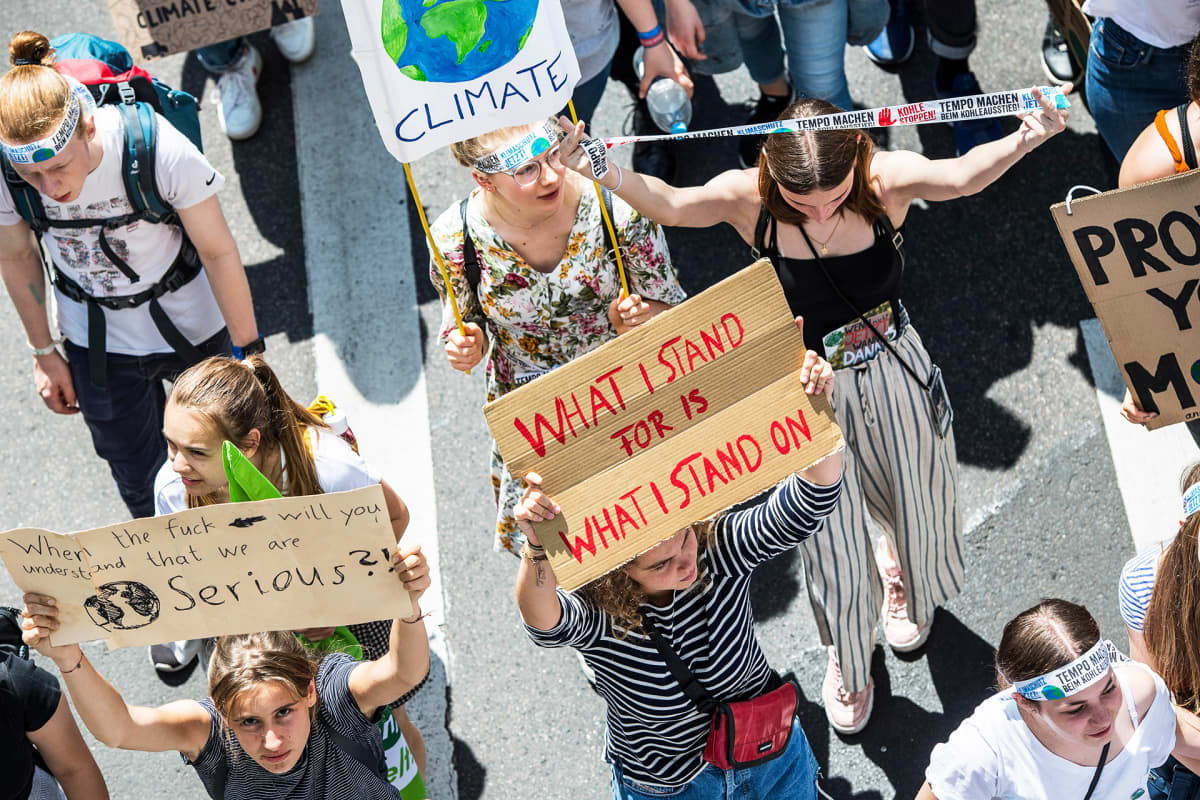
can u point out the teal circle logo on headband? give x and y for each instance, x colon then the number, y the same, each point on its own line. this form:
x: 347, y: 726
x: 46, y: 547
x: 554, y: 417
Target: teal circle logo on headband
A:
x: 539, y: 146
x: 45, y: 154
x: 1053, y: 693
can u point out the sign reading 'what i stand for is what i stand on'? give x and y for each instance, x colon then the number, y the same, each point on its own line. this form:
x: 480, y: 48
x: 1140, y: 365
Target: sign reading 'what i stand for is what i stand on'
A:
x: 679, y: 418
x: 1136, y: 251
x: 292, y: 562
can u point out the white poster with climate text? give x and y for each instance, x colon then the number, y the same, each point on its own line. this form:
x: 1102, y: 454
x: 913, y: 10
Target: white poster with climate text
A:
x: 440, y: 71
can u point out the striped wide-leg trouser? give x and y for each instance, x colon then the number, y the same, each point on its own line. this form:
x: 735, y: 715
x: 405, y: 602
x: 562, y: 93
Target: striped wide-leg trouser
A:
x: 898, y: 470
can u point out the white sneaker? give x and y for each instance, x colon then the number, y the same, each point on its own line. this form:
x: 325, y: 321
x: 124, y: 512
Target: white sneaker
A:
x: 238, y: 110
x: 295, y: 39
x: 174, y: 656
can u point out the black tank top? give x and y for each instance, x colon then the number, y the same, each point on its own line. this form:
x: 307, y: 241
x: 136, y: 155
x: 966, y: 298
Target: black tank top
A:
x: 867, y: 278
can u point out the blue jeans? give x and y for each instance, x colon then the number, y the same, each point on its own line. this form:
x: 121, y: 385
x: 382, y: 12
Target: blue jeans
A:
x: 815, y: 34
x: 221, y: 57
x: 126, y: 418
x: 1128, y: 81
x: 790, y: 776
x: 1172, y: 781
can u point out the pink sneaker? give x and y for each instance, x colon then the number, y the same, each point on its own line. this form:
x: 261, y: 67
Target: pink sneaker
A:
x: 848, y: 712
x: 903, y: 635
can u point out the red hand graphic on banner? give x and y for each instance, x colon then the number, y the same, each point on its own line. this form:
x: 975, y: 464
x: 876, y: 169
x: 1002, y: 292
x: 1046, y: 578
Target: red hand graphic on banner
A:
x: 885, y: 117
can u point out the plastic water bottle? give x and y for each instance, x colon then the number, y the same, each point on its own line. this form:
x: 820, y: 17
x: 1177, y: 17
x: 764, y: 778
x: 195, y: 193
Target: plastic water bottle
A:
x: 670, y: 107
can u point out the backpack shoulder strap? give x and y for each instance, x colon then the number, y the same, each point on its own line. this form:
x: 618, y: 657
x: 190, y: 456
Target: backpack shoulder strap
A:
x: 470, y: 254
x: 1185, y: 136
x: 139, y: 157
x: 26, y: 200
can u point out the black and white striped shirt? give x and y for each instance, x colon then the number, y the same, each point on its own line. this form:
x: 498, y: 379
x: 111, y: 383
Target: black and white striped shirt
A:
x: 654, y: 731
x: 324, y: 772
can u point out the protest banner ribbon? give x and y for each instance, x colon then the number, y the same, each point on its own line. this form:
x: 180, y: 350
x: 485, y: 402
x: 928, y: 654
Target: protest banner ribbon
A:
x: 954, y: 109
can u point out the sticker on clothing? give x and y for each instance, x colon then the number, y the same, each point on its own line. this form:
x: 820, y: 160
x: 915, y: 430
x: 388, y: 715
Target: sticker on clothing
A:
x: 854, y: 343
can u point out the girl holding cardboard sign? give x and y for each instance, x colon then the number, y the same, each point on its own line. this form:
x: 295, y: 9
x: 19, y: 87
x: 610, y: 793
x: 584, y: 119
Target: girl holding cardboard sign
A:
x: 531, y: 264
x: 279, y: 721
x: 223, y: 399
x: 825, y: 207
x: 670, y: 638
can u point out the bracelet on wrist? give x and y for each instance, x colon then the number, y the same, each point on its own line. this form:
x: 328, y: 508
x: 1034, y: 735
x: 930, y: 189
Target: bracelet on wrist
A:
x: 78, y: 664
x: 620, y: 178
x: 254, y: 348
x: 416, y: 619
x: 650, y: 34
x: 48, y: 349
x: 533, y: 553
x: 653, y: 41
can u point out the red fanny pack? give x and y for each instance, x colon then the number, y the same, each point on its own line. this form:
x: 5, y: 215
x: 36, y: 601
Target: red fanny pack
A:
x: 751, y: 732
x: 744, y: 733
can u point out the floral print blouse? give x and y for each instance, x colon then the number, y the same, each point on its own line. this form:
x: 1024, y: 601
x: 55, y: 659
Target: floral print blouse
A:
x: 537, y: 321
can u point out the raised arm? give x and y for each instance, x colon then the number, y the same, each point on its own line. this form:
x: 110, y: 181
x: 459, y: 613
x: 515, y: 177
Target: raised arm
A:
x: 730, y: 197
x: 537, y: 594
x: 68, y: 757
x: 904, y: 176
x: 206, y: 227
x: 379, y: 682
x: 183, y: 725
x: 658, y: 60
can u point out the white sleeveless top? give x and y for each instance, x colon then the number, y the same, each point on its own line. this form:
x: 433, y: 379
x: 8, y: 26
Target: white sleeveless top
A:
x: 994, y: 756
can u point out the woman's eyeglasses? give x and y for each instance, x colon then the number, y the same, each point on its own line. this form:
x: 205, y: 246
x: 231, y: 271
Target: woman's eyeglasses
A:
x: 531, y: 171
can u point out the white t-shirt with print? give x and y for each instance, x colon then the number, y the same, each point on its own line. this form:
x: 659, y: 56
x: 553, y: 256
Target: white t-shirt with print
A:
x: 184, y: 178
x: 994, y: 755
x: 339, y: 469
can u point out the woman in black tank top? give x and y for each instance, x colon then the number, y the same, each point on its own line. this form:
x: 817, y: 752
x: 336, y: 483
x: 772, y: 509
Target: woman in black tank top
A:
x: 826, y: 208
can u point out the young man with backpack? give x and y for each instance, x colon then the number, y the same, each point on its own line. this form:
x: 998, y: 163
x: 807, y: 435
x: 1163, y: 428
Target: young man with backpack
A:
x: 41, y: 751
x: 146, y: 273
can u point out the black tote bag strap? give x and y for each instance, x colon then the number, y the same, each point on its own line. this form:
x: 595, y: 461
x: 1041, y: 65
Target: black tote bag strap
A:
x: 687, y: 681
x: 837, y: 290
x: 1099, y: 769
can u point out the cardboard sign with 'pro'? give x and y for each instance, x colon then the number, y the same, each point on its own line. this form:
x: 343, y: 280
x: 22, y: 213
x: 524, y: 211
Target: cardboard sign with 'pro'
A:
x: 684, y: 416
x: 150, y: 28
x: 293, y: 562
x: 1136, y: 251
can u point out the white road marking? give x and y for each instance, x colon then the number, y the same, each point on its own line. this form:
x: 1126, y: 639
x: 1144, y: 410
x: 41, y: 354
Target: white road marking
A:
x: 367, y: 339
x: 1148, y: 463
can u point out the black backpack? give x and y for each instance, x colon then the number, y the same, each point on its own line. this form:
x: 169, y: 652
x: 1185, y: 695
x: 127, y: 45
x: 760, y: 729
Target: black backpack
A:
x: 10, y: 633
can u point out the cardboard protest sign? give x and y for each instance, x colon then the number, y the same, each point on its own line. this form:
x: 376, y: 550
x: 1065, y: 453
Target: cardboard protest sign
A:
x: 1136, y: 250
x: 440, y: 71
x: 279, y: 564
x: 696, y: 410
x: 150, y: 28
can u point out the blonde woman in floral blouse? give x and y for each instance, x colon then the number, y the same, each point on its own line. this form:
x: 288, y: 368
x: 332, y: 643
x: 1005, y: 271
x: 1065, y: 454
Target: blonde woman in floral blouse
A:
x: 548, y: 287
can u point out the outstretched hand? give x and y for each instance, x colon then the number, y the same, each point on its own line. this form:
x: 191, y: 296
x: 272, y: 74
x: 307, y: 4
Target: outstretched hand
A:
x: 571, y: 153
x: 661, y: 61
x: 1047, y: 121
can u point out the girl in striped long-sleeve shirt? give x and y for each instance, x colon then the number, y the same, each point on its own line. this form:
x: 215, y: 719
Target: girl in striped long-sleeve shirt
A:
x: 694, y: 589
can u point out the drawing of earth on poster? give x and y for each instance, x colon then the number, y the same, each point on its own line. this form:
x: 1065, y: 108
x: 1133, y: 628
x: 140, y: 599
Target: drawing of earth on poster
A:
x: 455, y: 40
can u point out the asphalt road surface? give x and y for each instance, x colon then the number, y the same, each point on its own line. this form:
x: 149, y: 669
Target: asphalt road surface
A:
x: 338, y: 267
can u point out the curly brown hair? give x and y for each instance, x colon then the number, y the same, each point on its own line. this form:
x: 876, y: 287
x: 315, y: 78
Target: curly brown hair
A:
x: 620, y: 596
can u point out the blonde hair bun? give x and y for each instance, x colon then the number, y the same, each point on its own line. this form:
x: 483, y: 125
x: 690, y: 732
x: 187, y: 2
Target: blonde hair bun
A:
x: 30, y: 48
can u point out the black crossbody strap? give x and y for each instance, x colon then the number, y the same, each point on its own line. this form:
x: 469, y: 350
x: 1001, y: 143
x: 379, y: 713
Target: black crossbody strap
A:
x: 1185, y: 136
x: 687, y: 681
x: 1099, y: 769
x: 836, y: 290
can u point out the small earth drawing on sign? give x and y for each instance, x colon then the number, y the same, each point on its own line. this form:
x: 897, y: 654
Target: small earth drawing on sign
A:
x: 454, y: 40
x: 123, y: 606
